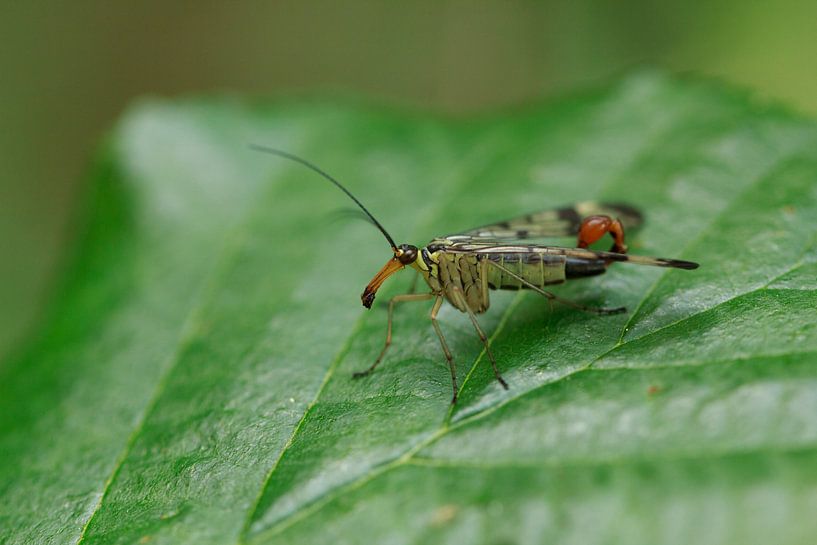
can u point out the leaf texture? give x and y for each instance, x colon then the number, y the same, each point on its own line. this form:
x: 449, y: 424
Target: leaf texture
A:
x: 193, y: 384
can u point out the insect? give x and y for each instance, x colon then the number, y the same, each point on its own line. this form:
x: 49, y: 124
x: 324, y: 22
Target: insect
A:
x: 462, y: 268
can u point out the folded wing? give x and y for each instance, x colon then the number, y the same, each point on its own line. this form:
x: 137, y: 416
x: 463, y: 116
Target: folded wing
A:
x: 557, y: 222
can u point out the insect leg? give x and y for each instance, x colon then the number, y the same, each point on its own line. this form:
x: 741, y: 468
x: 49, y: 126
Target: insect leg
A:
x: 434, y: 310
x: 595, y: 227
x: 553, y: 297
x: 483, y: 282
x: 395, y: 299
x: 481, y: 334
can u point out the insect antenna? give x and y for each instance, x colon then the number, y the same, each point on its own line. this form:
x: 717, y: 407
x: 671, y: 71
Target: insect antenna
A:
x: 315, y: 168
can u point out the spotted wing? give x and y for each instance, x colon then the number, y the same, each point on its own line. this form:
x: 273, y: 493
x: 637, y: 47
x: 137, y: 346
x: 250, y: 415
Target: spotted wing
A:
x: 558, y: 222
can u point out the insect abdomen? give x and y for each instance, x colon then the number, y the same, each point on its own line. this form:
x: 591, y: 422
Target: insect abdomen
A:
x: 539, y: 269
x: 579, y: 268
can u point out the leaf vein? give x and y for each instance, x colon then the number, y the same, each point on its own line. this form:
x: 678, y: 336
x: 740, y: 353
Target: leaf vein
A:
x: 268, y: 478
x: 186, y: 336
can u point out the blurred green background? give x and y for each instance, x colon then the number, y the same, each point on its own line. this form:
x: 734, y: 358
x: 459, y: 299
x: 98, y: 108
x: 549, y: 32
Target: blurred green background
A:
x: 70, y: 68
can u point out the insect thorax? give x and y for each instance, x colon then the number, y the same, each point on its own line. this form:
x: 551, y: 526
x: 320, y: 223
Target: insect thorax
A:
x: 427, y: 264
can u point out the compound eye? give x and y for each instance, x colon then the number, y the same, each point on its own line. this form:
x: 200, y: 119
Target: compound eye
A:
x: 409, y: 254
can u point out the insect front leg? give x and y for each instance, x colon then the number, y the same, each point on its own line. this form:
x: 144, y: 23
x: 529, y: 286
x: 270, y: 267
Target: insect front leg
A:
x: 395, y: 299
x: 461, y: 297
x: 434, y: 310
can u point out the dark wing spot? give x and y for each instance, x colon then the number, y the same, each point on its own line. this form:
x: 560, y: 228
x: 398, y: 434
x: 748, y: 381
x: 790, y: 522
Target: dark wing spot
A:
x: 571, y: 216
x: 633, y: 214
x: 679, y: 264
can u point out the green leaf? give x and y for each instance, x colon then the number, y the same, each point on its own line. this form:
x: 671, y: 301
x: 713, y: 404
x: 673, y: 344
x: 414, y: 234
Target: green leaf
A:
x: 193, y: 384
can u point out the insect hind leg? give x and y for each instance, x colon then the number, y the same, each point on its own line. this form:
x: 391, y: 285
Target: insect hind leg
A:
x: 601, y: 311
x: 434, y: 310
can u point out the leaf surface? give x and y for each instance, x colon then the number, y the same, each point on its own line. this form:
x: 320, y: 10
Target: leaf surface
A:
x: 194, y: 382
